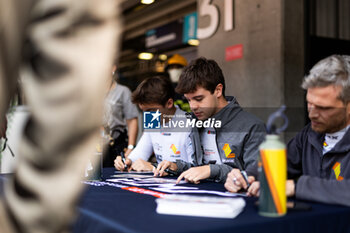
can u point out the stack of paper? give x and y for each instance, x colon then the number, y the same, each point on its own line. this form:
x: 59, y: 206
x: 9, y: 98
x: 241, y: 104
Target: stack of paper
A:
x: 204, y: 206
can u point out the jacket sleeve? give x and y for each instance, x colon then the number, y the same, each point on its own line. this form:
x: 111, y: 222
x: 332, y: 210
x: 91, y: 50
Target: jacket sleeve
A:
x: 219, y: 172
x: 196, y: 157
x: 251, y: 148
x: 143, y: 149
x: 294, y: 156
x: 182, y: 166
x: 323, y: 190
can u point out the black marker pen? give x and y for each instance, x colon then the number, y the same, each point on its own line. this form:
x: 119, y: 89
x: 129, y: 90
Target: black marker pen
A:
x: 243, y: 172
x: 123, y: 159
x: 167, y: 170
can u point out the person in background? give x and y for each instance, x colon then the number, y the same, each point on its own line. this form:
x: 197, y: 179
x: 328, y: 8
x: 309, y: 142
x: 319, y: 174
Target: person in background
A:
x: 63, y: 50
x: 319, y: 155
x: 238, y: 136
x: 121, y: 121
x: 155, y: 94
x: 174, y: 68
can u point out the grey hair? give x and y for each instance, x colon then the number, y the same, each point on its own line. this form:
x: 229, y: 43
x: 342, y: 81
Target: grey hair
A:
x: 333, y: 70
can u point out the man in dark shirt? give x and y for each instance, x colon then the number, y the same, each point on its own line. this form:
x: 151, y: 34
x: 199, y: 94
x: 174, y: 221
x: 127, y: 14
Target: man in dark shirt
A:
x: 319, y: 156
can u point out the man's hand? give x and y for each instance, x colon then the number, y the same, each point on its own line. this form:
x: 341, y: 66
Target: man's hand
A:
x: 254, y: 189
x: 142, y: 165
x: 195, y: 174
x: 119, y: 165
x: 290, y: 188
x: 164, y: 165
x: 235, y: 181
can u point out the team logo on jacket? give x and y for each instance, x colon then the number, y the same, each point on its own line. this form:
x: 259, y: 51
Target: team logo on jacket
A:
x: 325, y: 144
x: 166, y: 134
x: 174, y: 149
x: 151, y: 120
x: 227, y: 150
x: 211, y: 132
x: 336, y: 169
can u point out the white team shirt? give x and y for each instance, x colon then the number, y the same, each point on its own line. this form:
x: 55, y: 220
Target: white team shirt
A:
x: 167, y: 144
x: 331, y: 139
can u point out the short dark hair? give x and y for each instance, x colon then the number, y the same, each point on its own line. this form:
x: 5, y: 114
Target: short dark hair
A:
x: 201, y: 72
x: 154, y: 90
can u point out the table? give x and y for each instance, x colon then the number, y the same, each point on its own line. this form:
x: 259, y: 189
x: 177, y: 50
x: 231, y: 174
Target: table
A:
x: 111, y: 209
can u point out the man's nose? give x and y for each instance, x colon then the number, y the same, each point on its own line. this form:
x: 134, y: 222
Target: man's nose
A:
x: 313, y: 112
x: 193, y: 105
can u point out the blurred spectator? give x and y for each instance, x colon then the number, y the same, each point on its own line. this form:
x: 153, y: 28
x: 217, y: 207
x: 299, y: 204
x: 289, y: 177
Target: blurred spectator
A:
x: 120, y: 121
x: 175, y: 66
x: 64, y: 49
x: 170, y: 143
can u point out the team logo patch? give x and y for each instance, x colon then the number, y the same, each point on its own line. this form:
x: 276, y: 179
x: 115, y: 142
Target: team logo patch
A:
x: 151, y: 120
x: 325, y: 144
x: 227, y: 150
x: 336, y: 169
x: 211, y: 132
x: 174, y: 149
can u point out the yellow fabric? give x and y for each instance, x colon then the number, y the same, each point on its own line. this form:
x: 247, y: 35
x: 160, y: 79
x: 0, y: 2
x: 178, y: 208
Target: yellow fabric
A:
x: 177, y: 59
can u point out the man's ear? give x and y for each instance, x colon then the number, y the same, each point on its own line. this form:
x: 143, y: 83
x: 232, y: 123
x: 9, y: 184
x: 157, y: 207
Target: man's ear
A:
x: 218, y: 90
x: 169, y: 104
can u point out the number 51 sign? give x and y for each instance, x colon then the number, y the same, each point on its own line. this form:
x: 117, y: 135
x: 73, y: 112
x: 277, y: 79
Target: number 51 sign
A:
x: 206, y: 8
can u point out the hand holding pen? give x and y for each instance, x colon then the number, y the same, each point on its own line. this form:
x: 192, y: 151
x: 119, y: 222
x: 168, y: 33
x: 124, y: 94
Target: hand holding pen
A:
x: 240, y: 166
x: 124, y: 160
x: 121, y: 163
x: 235, y: 181
x: 164, y: 167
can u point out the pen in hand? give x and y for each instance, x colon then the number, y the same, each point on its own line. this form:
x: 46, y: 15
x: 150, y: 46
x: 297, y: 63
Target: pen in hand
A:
x: 170, y: 172
x: 167, y: 170
x: 245, y: 176
x: 123, y: 159
x: 243, y: 172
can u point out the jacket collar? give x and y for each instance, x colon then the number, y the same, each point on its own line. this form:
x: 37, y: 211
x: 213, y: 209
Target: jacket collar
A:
x: 229, y: 111
x: 344, y: 144
x: 317, y: 139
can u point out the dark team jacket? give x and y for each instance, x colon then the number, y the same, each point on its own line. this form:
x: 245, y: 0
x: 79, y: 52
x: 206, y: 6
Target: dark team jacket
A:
x: 324, y: 178
x: 240, y: 135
